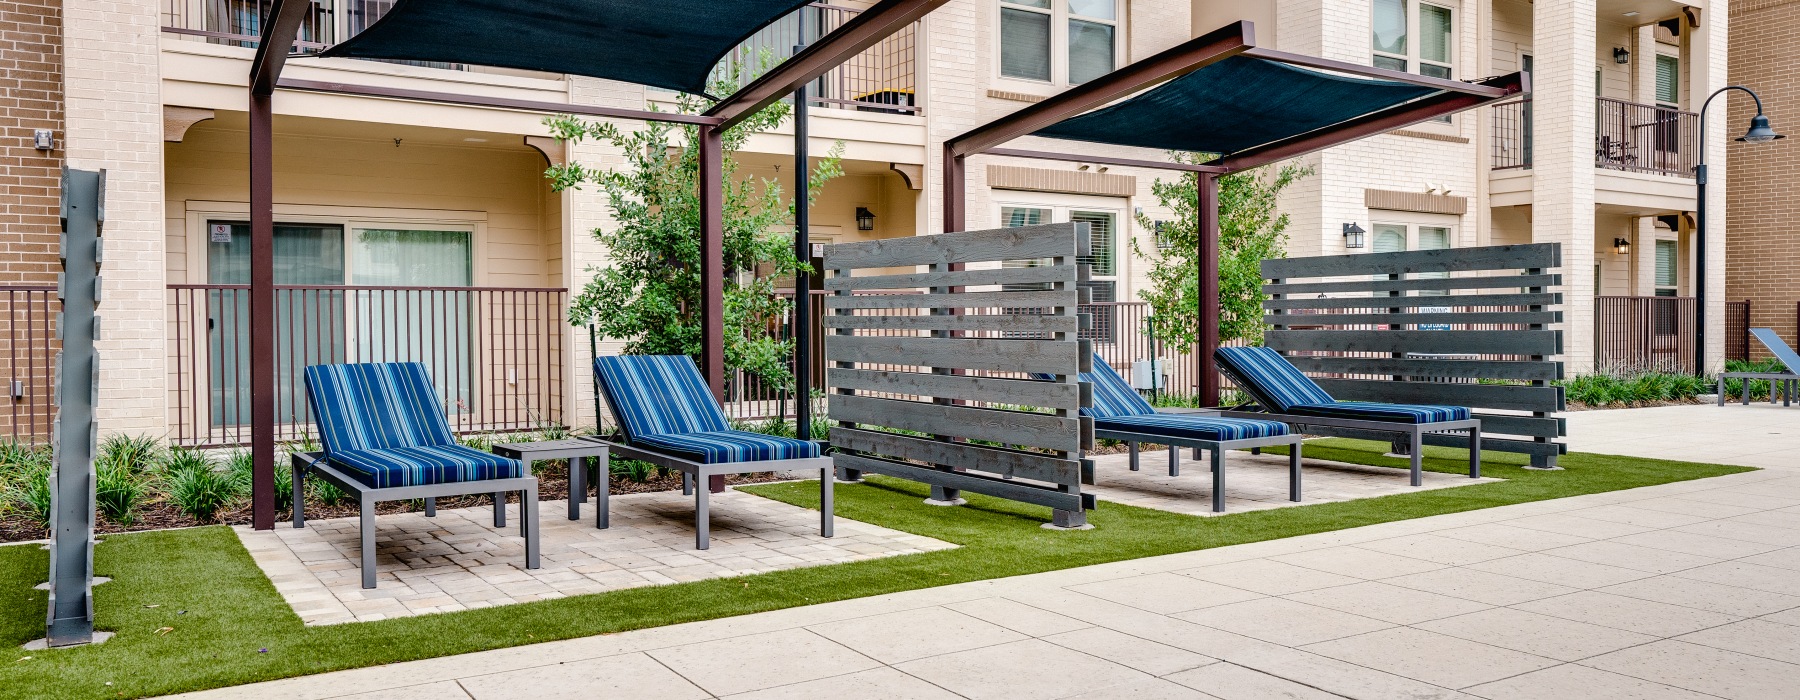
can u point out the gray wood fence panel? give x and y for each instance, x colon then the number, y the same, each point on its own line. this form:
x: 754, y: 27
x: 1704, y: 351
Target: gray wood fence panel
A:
x: 960, y: 278
x: 1005, y: 462
x: 1020, y: 243
x: 1459, y: 369
x: 962, y: 300
x: 1406, y: 285
x: 1496, y: 396
x: 1466, y: 342
x: 1015, y: 490
x: 991, y: 354
x: 1006, y: 427
x: 1381, y: 319
x: 1538, y: 299
x: 1506, y: 257
x: 999, y: 323
x: 1021, y: 392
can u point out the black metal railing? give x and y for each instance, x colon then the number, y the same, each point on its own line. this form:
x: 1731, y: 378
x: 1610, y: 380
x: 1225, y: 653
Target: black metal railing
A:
x: 1627, y: 136
x: 1643, y: 334
x: 28, y: 351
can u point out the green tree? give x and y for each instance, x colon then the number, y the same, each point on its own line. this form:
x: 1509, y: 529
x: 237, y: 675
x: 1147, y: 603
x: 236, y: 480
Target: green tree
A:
x: 1251, y: 229
x: 648, y: 293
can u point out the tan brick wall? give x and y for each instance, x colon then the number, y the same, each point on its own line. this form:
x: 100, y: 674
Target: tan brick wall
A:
x: 30, y: 99
x: 1762, y: 254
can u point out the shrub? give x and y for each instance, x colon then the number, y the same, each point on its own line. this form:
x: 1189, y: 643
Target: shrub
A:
x: 30, y: 492
x: 141, y: 454
x: 119, y: 487
x: 239, y: 465
x: 198, y: 487
x: 1628, y: 388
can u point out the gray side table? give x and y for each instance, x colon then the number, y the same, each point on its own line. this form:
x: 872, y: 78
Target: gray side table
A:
x: 573, y: 450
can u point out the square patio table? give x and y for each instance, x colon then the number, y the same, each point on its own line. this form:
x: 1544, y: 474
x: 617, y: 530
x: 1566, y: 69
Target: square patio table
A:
x: 574, y: 450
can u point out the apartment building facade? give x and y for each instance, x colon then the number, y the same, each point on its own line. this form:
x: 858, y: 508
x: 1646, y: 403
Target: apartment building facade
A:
x: 1762, y: 256
x: 31, y: 113
x: 392, y: 211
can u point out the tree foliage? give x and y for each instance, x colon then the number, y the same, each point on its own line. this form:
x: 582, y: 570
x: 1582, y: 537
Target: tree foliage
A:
x: 648, y: 293
x: 1251, y: 229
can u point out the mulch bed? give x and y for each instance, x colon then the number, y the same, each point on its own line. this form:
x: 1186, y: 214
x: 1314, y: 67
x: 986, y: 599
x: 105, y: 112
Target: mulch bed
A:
x: 553, y: 485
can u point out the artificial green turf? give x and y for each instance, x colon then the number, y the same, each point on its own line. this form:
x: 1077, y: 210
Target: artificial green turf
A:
x: 228, y: 626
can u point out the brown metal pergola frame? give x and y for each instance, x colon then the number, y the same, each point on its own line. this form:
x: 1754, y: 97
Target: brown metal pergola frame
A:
x: 1222, y: 43
x: 280, y: 31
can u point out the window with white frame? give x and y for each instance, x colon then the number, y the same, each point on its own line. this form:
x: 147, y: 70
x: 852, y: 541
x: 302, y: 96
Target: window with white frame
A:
x: 1415, y: 37
x: 1392, y: 237
x: 1061, y: 42
x: 1102, y: 260
x: 1667, y: 259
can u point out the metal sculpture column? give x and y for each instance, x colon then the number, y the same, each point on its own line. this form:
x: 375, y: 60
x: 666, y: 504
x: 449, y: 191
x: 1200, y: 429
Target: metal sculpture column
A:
x: 71, y: 616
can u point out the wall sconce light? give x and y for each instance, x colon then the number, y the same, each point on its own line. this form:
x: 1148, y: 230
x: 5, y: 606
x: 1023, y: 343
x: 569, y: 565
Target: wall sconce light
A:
x: 1353, y: 235
x: 865, y: 219
x: 1621, y: 246
x: 1621, y: 55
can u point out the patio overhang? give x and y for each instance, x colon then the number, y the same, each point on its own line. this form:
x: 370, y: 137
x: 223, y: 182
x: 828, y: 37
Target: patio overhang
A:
x: 1220, y: 95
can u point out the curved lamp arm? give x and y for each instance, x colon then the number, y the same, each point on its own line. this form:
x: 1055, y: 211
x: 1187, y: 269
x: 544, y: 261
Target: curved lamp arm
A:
x: 1708, y: 103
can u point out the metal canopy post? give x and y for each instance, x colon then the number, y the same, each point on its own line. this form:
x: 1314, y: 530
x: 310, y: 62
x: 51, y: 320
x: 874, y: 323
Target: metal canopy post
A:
x: 712, y: 259
x: 1206, y: 219
x: 802, y: 315
x: 279, y: 30
x: 70, y: 619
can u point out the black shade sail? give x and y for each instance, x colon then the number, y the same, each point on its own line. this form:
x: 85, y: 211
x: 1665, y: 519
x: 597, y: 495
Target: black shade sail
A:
x: 1238, y: 103
x: 670, y: 44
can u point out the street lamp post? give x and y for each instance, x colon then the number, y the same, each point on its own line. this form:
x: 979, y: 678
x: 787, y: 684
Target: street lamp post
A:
x: 1759, y: 132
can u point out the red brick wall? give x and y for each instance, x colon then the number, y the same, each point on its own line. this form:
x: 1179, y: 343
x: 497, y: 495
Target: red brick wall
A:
x: 31, y: 98
x: 1762, y: 249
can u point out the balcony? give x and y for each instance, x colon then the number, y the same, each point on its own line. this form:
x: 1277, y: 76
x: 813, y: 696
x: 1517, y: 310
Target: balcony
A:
x: 1628, y: 137
x: 496, y: 353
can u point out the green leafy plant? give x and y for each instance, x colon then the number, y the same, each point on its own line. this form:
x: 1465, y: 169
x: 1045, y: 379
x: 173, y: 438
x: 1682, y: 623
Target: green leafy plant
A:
x: 648, y: 293
x: 29, y: 493
x: 120, y: 488
x: 141, y: 454
x: 198, y: 487
x: 631, y: 469
x: 1251, y: 229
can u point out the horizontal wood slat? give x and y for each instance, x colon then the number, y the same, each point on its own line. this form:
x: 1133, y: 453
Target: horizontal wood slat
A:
x: 1506, y: 257
x: 1520, y: 318
x: 1525, y: 426
x: 992, y: 354
x: 961, y: 300
x: 1005, y: 462
x: 998, y: 323
x: 1022, y: 392
x: 1465, y: 342
x: 1023, y: 492
x: 1538, y: 299
x: 1006, y: 427
x: 1020, y: 243
x: 960, y: 278
x: 1463, y: 369
x: 1496, y: 396
x: 1404, y: 285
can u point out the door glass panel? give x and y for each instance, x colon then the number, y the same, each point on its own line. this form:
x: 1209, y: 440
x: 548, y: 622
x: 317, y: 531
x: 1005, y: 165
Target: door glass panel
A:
x: 422, y: 317
x: 308, y: 322
x: 1104, y: 260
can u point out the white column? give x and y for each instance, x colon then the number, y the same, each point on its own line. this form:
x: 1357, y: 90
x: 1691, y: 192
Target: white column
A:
x: 1706, y: 74
x: 1562, y: 196
x: 113, y: 92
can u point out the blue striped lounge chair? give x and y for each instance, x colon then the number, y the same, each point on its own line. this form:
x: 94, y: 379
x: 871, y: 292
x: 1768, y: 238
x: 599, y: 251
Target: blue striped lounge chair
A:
x: 386, y: 439
x: 1780, y: 383
x: 668, y: 417
x: 1119, y: 413
x: 1285, y: 394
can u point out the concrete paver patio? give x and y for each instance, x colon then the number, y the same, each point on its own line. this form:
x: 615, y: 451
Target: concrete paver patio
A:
x: 1685, y: 590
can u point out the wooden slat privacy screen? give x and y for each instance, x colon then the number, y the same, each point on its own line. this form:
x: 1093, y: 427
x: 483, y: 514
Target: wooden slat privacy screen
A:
x: 1460, y: 326
x: 942, y: 392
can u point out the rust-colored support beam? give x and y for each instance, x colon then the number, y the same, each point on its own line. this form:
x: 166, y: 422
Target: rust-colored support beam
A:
x: 1207, y: 218
x: 956, y: 192
x: 494, y: 102
x: 1472, y: 88
x: 1105, y: 160
x: 279, y: 31
x: 1420, y: 110
x: 862, y: 31
x: 1185, y: 58
x: 712, y: 259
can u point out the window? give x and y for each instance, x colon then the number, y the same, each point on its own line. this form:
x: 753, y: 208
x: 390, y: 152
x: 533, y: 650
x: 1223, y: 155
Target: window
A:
x: 1102, y: 260
x: 1065, y: 42
x: 1395, y: 238
x: 1434, y: 54
x: 1668, y: 80
x: 1666, y: 261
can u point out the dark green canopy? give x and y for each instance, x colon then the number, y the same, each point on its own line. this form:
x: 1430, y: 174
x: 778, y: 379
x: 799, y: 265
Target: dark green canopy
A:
x: 661, y: 43
x: 1235, y: 104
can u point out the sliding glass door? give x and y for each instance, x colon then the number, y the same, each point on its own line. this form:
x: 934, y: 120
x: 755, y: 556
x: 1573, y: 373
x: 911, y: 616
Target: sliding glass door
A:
x: 308, y: 322
x: 432, y: 321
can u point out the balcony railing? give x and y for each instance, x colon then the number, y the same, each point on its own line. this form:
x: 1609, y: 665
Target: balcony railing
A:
x: 495, y: 354
x: 28, y: 355
x: 1627, y: 136
x: 1644, y: 333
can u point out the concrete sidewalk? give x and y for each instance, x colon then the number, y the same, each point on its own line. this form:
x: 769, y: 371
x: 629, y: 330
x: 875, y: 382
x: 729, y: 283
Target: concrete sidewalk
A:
x: 1757, y: 435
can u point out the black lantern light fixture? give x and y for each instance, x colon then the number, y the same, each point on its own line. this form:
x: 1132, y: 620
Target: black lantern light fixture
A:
x: 1621, y: 246
x: 1759, y: 132
x: 1353, y: 236
x: 1621, y: 55
x: 865, y: 219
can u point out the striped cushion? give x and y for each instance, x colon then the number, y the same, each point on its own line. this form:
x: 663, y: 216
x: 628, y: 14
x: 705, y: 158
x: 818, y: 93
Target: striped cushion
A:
x: 658, y: 395
x: 1391, y: 412
x: 416, y: 466
x: 375, y: 406
x: 1112, y: 395
x: 723, y: 446
x: 1197, y: 427
x: 1270, y: 378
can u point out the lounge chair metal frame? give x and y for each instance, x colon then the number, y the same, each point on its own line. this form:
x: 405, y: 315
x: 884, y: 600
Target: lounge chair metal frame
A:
x: 313, y: 463
x: 1217, y: 449
x: 695, y: 474
x: 1414, y: 432
x: 1783, y: 383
